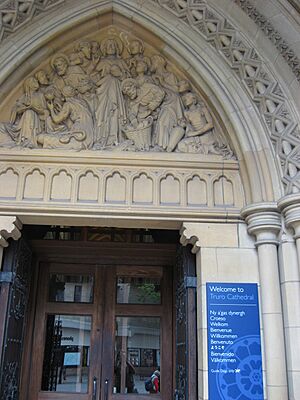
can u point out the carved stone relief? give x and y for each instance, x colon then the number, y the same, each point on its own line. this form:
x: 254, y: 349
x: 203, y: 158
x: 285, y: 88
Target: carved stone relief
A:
x: 111, y: 94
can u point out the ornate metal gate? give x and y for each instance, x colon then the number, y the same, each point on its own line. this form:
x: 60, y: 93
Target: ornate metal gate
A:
x: 15, y: 281
x: 186, y: 328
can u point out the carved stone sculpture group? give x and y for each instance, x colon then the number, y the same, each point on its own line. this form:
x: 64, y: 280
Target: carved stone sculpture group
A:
x: 99, y: 99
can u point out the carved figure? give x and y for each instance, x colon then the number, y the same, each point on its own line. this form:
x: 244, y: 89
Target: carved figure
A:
x: 176, y: 135
x: 143, y: 101
x: 69, y: 75
x: 197, y: 115
x: 199, y: 137
x: 46, y: 88
x: 84, y: 53
x: 87, y: 55
x: 27, y: 114
x: 110, y: 112
x: 184, y: 87
x: 96, y: 53
x: 141, y: 69
x: 77, y: 121
x: 42, y: 78
x: 171, y: 109
x: 136, y: 51
x: 96, y: 56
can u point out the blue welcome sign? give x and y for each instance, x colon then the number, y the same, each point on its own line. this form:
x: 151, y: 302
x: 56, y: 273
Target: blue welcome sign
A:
x: 234, y: 348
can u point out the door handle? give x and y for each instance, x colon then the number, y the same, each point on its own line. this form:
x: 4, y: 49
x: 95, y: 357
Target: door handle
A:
x: 106, y: 389
x: 94, y: 397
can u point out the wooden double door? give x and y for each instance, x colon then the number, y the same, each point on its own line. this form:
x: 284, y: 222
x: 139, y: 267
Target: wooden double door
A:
x: 100, y: 331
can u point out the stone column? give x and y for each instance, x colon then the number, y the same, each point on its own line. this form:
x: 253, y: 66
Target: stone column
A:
x: 290, y: 282
x: 264, y: 222
x: 10, y: 227
x: 290, y: 206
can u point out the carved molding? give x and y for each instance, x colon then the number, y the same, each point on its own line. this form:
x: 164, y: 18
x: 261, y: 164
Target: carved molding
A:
x: 290, y: 207
x: 264, y: 222
x: 295, y: 4
x: 188, y: 235
x: 144, y: 183
x: 282, y: 46
x: 9, y: 228
x: 14, y: 14
x: 266, y: 93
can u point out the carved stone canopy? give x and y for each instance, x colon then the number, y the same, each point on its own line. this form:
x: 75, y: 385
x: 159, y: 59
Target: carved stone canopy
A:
x: 110, y: 91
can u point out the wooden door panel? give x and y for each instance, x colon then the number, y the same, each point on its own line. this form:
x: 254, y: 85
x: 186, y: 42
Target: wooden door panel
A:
x: 90, y: 312
x: 103, y: 312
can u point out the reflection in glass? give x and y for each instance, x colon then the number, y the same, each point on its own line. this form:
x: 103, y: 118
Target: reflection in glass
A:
x: 120, y: 235
x: 71, y: 288
x: 134, y: 290
x: 137, y: 353
x: 67, y: 353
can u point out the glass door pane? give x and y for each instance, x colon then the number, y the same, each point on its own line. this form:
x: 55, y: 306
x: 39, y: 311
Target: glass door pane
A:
x: 75, y: 288
x: 137, y: 355
x: 66, y: 353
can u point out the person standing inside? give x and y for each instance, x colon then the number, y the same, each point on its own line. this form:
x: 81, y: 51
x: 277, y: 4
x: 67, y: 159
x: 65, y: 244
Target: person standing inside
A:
x: 155, y: 378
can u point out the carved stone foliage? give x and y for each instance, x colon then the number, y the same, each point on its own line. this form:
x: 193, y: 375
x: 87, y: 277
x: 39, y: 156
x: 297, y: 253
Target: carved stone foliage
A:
x: 16, y: 13
x: 263, y: 88
x: 111, y: 94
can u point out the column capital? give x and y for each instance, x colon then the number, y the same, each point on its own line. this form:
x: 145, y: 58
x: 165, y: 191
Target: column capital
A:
x: 290, y: 207
x: 264, y: 222
x: 10, y: 227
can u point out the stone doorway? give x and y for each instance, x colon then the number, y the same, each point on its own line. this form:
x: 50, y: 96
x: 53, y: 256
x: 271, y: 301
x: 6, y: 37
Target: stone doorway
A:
x: 108, y: 261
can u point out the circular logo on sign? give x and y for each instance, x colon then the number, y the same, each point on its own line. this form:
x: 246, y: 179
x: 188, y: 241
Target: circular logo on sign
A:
x: 242, y: 380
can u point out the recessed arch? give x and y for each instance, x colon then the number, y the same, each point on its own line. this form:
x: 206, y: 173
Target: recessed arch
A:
x: 252, y: 95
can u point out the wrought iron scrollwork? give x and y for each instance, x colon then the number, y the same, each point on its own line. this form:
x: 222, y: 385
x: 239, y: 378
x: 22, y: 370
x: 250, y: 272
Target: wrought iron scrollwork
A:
x: 10, y: 384
x: 17, y: 262
x: 185, y: 336
x: 180, y: 305
x: 181, y: 382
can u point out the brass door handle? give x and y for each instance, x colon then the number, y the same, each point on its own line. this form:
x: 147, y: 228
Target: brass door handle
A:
x: 106, y: 389
x: 94, y: 397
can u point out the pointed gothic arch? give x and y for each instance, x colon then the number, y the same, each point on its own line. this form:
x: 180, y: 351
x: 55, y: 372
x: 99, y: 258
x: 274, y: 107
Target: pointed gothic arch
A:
x: 252, y: 93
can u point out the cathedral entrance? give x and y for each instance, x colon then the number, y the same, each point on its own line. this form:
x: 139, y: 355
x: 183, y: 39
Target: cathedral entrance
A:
x: 103, y: 321
x: 102, y: 330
